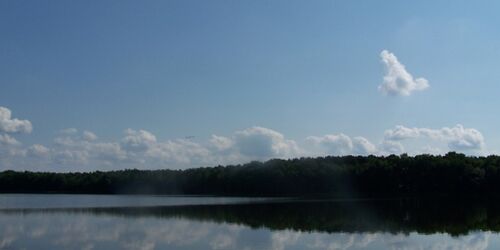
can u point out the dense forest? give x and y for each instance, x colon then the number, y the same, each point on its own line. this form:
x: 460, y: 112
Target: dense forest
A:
x: 342, y: 176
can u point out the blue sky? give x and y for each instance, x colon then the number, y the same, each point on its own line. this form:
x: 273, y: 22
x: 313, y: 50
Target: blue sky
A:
x: 267, y: 79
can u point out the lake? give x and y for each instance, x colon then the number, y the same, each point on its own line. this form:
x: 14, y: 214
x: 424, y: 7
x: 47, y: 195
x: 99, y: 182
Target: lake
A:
x: 188, y: 222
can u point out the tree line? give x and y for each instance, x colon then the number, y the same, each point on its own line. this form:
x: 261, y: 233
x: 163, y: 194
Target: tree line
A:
x: 341, y: 176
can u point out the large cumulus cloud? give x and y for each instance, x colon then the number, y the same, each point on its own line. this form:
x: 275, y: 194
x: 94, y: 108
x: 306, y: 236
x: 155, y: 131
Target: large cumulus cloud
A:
x: 263, y: 143
x: 398, y: 81
x: 341, y: 144
x: 82, y: 150
x: 140, y: 148
x: 13, y: 125
x: 458, y: 138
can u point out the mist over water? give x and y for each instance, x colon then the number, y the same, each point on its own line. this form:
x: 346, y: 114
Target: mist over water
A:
x: 237, y: 223
x: 34, y: 201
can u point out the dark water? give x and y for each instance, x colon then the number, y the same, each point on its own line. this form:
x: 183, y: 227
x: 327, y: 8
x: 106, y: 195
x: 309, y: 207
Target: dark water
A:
x: 165, y: 222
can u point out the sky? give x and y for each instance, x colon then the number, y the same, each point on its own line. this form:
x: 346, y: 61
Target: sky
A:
x: 101, y: 85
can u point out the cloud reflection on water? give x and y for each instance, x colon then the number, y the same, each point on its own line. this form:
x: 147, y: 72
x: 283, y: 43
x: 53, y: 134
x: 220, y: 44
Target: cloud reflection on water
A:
x: 91, y: 231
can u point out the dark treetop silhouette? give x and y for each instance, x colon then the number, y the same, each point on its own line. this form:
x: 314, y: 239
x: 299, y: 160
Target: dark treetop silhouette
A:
x: 345, y: 176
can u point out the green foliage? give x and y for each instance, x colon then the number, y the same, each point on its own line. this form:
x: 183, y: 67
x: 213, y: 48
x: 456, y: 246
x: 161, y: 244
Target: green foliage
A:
x: 346, y: 176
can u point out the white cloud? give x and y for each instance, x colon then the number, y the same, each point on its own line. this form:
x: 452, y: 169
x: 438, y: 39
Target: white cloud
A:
x: 431, y: 150
x: 107, y: 151
x: 461, y: 138
x: 142, y: 147
x: 282, y: 239
x: 457, y: 137
x: 263, y: 143
x: 70, y: 158
x: 222, y: 241
x: 83, y: 229
x: 341, y: 241
x: 362, y: 146
x: 341, y: 144
x: 138, y: 139
x: 397, y: 80
x: 89, y: 136
x: 38, y: 150
x: 413, y: 241
x: 7, y: 140
x: 11, y: 151
x: 391, y: 147
x: 73, y: 150
x: 63, y: 141
x: 180, y: 151
x: 10, y: 125
x: 221, y: 143
x: 401, y: 133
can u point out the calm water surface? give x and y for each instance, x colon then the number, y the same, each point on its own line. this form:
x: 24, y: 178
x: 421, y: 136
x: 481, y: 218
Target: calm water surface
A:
x: 166, y: 222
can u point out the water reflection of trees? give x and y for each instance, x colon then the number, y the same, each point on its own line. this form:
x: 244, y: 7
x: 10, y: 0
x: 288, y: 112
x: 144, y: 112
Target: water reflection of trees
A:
x: 393, y: 216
